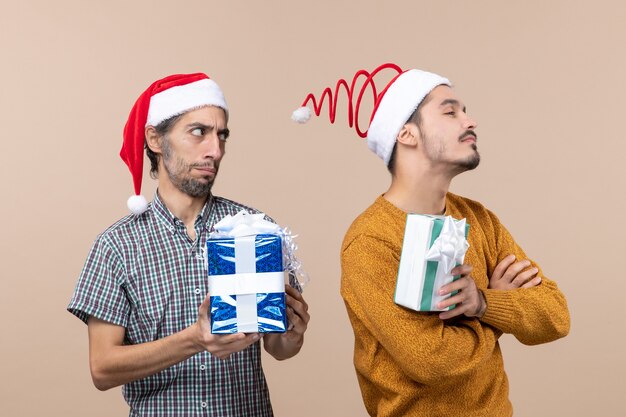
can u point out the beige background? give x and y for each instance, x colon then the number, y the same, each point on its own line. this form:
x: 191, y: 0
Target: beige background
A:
x: 545, y: 80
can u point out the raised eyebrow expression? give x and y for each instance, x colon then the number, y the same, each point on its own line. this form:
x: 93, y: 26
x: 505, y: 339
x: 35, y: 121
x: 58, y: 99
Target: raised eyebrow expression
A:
x: 222, y: 133
x: 452, y: 102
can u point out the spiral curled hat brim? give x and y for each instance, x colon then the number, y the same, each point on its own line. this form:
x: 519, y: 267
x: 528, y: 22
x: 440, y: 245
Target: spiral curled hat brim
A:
x: 393, y: 104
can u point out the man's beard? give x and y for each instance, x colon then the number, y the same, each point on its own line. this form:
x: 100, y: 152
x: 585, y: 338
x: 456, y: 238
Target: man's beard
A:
x: 471, y: 162
x: 435, y: 153
x: 187, y: 185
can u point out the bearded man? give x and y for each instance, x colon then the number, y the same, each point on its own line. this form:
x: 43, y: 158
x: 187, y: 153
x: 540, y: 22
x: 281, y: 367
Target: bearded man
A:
x: 143, y: 291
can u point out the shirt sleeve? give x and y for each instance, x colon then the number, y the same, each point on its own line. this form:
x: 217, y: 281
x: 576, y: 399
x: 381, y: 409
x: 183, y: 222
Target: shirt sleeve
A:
x: 424, y: 346
x: 100, y: 289
x: 533, y: 315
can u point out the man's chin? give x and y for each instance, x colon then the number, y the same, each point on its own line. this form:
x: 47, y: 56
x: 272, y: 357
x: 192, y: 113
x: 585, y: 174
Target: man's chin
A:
x: 470, y: 163
x: 196, y: 189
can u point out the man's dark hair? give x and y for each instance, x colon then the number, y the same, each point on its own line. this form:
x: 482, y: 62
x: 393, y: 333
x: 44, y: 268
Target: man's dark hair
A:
x: 415, y: 119
x: 162, y: 129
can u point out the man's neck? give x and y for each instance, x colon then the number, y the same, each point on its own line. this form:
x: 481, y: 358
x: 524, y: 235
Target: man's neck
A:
x: 181, y: 205
x: 422, y: 192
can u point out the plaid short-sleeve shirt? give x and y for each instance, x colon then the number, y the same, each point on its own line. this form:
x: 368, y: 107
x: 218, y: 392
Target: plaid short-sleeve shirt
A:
x: 144, y: 273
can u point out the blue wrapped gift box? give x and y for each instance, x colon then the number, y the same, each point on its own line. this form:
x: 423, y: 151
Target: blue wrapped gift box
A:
x: 246, y: 284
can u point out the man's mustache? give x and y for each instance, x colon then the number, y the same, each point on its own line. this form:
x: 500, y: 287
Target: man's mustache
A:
x: 468, y: 133
x: 203, y: 165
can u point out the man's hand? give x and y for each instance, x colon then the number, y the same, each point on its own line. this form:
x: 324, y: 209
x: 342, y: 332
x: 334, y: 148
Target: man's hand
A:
x: 221, y: 346
x: 285, y: 345
x: 509, y: 275
x: 297, y: 314
x: 469, y: 300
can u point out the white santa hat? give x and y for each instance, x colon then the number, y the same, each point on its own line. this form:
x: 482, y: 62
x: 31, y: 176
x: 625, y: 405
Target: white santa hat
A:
x: 165, y: 98
x: 392, y: 106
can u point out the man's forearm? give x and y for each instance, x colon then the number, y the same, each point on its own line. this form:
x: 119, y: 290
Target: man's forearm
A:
x: 533, y: 315
x: 120, y: 364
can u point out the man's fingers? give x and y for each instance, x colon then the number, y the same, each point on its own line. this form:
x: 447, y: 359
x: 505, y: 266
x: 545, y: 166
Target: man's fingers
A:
x: 232, y: 343
x: 293, y: 292
x: 203, y: 311
x: 300, y: 307
x: 296, y: 312
x: 524, y: 276
x: 455, y: 299
x: 469, y: 300
x: 296, y: 297
x: 292, y: 319
x: 243, y: 343
x: 457, y: 311
x: 297, y: 305
x: 502, y: 267
x: 461, y: 270
x: 459, y: 284
x: 532, y: 283
x: 515, y: 269
x: 228, y: 339
x: 223, y: 345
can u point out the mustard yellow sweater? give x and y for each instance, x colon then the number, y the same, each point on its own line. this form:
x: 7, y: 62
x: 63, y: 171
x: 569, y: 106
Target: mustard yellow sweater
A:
x: 415, y: 364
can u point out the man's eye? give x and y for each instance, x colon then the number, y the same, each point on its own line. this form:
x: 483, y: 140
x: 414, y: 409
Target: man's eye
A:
x: 223, y: 135
x: 450, y: 113
x: 198, y: 131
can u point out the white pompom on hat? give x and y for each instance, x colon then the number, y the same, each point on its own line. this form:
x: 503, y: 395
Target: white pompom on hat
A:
x: 301, y: 115
x: 165, y: 98
x: 392, y: 106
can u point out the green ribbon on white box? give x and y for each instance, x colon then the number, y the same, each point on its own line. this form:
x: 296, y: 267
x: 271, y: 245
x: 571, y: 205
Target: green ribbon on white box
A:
x: 432, y: 247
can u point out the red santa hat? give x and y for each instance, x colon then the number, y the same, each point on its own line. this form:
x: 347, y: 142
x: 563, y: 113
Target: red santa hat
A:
x: 165, y: 98
x: 393, y: 106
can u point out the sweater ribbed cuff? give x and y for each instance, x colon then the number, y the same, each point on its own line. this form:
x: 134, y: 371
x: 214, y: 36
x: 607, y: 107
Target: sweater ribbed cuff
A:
x: 499, y: 312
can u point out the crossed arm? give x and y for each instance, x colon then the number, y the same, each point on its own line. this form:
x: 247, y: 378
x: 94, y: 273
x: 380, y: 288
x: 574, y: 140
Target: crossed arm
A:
x: 517, y: 300
x: 470, y: 301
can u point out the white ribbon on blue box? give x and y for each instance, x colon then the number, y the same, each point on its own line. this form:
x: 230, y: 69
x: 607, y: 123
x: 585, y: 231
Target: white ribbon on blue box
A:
x: 432, y: 247
x: 246, y: 277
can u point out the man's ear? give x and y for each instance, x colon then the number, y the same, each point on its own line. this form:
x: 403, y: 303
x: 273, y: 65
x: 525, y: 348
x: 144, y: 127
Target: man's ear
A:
x: 408, y: 135
x: 153, y: 140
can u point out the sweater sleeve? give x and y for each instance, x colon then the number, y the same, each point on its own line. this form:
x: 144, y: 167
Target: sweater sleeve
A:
x: 424, y: 346
x: 533, y: 315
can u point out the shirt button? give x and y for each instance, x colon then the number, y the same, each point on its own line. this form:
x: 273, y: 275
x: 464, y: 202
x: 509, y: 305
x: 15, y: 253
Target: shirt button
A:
x: 204, y: 404
x: 202, y: 367
x: 197, y: 291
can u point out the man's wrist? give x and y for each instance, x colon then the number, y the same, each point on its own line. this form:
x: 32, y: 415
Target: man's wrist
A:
x: 193, y: 338
x: 483, y: 305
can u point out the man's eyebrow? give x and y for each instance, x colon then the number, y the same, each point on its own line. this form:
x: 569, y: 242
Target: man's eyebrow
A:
x: 198, y: 124
x: 452, y: 102
x: 206, y: 127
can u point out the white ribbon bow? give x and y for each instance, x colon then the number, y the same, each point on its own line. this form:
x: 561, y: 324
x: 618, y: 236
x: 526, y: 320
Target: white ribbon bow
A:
x: 450, y: 246
x: 244, y: 224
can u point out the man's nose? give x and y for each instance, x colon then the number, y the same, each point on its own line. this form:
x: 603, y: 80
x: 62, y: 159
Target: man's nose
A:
x: 212, y: 147
x: 469, y: 123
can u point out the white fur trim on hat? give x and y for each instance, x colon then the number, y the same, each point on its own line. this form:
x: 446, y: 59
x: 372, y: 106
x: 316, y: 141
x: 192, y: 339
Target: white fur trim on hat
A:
x: 399, y: 102
x: 177, y: 100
